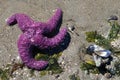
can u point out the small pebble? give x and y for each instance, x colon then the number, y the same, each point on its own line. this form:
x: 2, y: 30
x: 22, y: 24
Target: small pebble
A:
x: 92, y: 76
x: 69, y: 70
x: 18, y: 58
x: 57, y: 76
x: 108, y: 75
x: 75, y: 64
x: 86, y: 72
x: 62, y: 62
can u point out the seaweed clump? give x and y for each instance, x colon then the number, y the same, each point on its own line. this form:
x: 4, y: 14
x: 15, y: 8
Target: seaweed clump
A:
x: 115, y: 30
x: 89, y: 68
x: 53, y: 67
x: 100, y: 40
x: 7, y: 71
x: 4, y: 74
x: 93, y: 36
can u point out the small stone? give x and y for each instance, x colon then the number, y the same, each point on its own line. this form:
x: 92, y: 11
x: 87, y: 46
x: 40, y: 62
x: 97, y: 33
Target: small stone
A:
x: 69, y: 70
x: 18, y: 58
x: 14, y: 74
x: 62, y: 62
x: 25, y: 69
x: 14, y: 79
x: 17, y: 72
x: 6, y: 19
x: 108, y: 75
x: 86, y: 72
x: 53, y: 10
x: 75, y: 64
x: 13, y: 60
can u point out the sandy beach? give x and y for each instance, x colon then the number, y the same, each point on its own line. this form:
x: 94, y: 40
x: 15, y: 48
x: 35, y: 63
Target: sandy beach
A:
x: 84, y: 15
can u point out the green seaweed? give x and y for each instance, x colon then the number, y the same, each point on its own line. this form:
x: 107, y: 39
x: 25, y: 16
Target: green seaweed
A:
x: 53, y: 64
x: 93, y: 36
x: 115, y: 29
x: 74, y: 77
x: 43, y: 73
x: 7, y: 71
x: 95, y: 71
x: 41, y: 56
x: 4, y: 74
x: 90, y: 68
x: 86, y: 66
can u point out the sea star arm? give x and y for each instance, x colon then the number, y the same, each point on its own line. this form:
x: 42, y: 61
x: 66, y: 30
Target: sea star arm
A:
x: 54, y: 21
x: 24, y: 48
x: 24, y: 21
x: 44, y: 42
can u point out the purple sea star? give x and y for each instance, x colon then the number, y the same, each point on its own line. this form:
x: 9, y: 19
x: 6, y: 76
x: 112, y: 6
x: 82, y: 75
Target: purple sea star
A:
x: 33, y: 35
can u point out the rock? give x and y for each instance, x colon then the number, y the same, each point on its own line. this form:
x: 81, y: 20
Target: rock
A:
x: 113, y: 17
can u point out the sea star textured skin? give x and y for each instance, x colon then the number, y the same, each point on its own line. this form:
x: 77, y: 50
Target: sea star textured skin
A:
x: 33, y: 35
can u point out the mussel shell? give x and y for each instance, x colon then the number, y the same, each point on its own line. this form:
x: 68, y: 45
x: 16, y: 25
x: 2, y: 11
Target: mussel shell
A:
x: 104, y: 53
x: 98, y: 50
